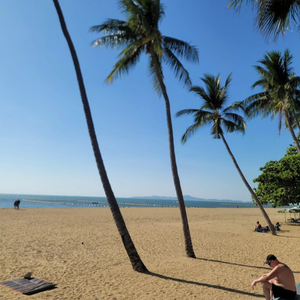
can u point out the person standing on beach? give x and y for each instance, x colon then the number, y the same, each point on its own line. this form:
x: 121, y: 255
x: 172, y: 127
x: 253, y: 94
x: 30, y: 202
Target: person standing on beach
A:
x: 17, y: 204
x: 280, y: 282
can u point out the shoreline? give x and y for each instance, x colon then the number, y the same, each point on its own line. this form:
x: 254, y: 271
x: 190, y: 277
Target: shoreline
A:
x: 81, y: 251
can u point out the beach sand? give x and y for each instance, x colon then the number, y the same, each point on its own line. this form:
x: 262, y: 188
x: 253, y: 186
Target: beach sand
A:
x: 81, y: 251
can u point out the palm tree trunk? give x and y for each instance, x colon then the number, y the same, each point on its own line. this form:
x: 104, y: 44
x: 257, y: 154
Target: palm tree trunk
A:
x: 136, y: 262
x: 186, y: 231
x: 297, y: 121
x: 271, y: 226
x: 291, y: 130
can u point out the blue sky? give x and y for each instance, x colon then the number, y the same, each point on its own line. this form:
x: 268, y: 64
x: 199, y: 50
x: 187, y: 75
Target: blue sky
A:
x: 45, y: 147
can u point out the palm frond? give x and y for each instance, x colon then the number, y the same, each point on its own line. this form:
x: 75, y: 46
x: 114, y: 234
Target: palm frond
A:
x: 186, y: 112
x: 235, y: 106
x: 274, y: 16
x: 137, y: 21
x: 117, y: 34
x: 180, y: 72
x: 112, y: 41
x: 153, y: 75
x: 111, y: 26
x: 129, y: 58
x: 235, y: 119
x: 181, y: 48
x: 156, y: 11
x: 200, y: 91
x: 238, y: 3
x: 189, y: 132
x: 231, y: 126
x: 280, y: 116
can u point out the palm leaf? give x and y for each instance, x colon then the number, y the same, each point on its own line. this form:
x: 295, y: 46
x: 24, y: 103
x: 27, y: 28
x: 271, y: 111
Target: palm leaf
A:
x: 129, y: 59
x: 189, y: 132
x: 182, y: 49
x: 186, y: 112
x: 231, y: 126
x: 180, y: 72
x: 111, y: 26
x: 137, y: 20
x: 153, y: 76
x: 274, y: 17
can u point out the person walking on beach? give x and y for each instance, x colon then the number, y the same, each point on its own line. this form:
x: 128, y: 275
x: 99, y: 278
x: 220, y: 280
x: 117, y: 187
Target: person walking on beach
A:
x: 280, y: 282
x: 17, y: 204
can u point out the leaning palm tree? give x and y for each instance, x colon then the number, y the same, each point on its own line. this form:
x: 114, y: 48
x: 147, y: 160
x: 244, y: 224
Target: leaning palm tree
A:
x: 281, y: 87
x: 140, y: 33
x: 214, y: 112
x: 136, y: 262
x: 273, y: 16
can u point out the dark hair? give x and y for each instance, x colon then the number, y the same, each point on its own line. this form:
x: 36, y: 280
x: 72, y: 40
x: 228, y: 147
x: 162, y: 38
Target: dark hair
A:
x: 270, y: 257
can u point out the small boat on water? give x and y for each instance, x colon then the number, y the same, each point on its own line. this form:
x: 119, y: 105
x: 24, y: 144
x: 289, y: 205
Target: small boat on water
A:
x: 95, y: 202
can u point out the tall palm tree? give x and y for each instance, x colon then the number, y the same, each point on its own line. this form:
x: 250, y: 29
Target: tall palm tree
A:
x: 214, y: 112
x: 140, y: 33
x: 136, y: 261
x: 280, y: 86
x: 273, y: 16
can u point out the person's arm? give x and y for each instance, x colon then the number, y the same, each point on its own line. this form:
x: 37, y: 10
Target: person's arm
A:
x: 260, y: 279
x: 266, y: 277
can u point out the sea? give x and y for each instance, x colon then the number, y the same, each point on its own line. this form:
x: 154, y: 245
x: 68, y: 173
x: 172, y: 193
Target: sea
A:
x: 48, y: 201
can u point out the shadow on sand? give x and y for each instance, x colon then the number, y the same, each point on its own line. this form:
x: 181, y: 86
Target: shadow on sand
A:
x: 235, y: 264
x: 206, y: 285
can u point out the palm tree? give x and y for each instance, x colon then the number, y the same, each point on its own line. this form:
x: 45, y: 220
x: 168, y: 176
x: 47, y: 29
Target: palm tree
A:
x: 280, y: 86
x: 140, y: 33
x: 273, y: 16
x: 136, y: 262
x: 214, y: 112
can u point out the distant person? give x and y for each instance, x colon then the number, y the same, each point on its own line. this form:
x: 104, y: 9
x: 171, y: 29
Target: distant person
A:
x: 257, y: 227
x: 17, y: 204
x: 277, y: 226
x: 280, y: 282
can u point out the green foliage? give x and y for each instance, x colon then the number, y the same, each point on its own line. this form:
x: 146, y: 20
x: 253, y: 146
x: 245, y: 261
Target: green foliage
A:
x: 280, y: 85
x: 273, y: 16
x: 213, y: 110
x: 279, y: 182
x: 138, y: 34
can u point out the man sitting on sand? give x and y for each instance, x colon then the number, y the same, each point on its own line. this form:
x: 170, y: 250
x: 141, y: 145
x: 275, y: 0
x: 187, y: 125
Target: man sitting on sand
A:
x: 280, y: 282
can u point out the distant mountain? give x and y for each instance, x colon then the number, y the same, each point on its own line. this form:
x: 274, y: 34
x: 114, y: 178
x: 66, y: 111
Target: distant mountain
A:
x: 186, y: 197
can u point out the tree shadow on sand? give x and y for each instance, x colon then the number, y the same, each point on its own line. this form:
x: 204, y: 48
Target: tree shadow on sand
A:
x: 206, y: 285
x: 241, y: 265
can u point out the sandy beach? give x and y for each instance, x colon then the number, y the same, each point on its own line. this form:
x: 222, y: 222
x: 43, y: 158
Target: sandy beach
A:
x: 81, y: 251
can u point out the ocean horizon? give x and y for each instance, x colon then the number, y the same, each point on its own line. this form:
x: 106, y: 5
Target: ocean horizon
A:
x: 55, y: 201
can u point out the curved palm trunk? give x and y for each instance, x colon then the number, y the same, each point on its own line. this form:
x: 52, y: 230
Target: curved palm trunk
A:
x: 136, y: 262
x: 271, y: 226
x: 186, y: 231
x: 291, y: 130
x: 297, y: 122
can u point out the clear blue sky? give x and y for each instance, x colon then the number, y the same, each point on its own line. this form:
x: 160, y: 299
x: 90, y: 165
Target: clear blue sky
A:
x: 45, y: 147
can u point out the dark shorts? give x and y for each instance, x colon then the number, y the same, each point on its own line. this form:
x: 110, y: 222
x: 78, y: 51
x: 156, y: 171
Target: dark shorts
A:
x: 280, y: 292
